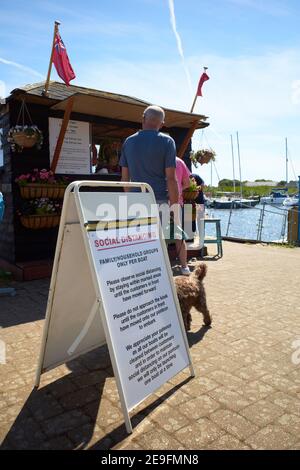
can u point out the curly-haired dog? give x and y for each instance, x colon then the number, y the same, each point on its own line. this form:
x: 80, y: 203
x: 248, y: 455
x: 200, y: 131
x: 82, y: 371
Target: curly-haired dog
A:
x: 191, y: 293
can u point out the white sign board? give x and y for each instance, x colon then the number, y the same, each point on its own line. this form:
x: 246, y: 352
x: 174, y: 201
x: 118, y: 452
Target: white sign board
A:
x: 75, y: 157
x: 112, y: 283
x: 139, y: 305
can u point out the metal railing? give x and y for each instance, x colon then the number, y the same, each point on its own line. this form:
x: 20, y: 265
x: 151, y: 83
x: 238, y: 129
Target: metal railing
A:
x: 261, y: 224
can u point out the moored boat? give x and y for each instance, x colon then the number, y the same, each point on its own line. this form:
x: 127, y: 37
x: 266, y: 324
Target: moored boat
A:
x: 231, y: 201
x: 276, y: 197
x: 291, y: 201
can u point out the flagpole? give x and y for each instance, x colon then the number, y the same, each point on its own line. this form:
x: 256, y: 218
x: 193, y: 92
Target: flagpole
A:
x: 196, y: 95
x: 194, y: 102
x: 45, y: 92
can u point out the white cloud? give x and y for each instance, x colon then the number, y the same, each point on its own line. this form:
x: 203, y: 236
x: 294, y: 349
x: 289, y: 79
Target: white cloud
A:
x: 179, y: 42
x: 21, y: 67
x: 248, y: 94
x: 269, y: 7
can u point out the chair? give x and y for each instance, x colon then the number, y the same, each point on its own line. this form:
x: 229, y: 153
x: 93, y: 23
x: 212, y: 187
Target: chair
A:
x: 218, y: 238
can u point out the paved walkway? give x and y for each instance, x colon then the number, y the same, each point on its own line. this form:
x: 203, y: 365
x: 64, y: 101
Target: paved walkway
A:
x: 246, y: 393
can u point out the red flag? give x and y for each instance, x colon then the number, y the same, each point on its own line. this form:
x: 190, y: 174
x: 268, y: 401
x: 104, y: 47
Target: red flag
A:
x: 204, y: 77
x: 61, y: 60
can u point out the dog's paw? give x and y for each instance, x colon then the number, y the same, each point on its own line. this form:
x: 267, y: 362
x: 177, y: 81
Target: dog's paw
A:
x: 208, y: 321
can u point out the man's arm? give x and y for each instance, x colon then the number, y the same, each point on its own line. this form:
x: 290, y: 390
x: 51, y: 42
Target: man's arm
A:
x: 172, y: 185
x: 170, y: 172
x: 125, y: 177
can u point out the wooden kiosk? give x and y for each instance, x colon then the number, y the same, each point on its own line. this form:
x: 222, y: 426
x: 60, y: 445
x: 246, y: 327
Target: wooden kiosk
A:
x: 78, y: 125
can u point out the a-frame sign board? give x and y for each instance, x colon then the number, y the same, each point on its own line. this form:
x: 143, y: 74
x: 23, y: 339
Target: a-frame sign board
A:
x: 112, y: 283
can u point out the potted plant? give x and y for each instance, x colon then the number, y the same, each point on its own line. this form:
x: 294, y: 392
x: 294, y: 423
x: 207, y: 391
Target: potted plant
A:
x: 202, y: 156
x: 40, y: 213
x: 42, y: 183
x: 24, y: 136
x: 191, y: 193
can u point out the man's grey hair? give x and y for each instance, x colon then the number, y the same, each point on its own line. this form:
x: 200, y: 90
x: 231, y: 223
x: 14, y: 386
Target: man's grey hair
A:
x: 154, y: 112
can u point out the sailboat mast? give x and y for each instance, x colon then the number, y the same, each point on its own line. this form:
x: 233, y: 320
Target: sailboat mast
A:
x: 232, y: 153
x: 286, y: 161
x: 239, y: 157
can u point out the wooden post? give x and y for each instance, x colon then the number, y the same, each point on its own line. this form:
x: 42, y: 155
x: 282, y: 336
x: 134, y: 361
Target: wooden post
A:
x: 62, y: 133
x: 187, y: 138
x: 45, y: 92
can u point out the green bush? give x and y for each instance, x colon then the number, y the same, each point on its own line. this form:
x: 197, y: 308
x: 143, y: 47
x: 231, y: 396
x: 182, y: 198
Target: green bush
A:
x: 248, y: 191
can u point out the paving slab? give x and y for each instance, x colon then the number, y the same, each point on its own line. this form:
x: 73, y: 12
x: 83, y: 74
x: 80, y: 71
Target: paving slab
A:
x: 246, y: 393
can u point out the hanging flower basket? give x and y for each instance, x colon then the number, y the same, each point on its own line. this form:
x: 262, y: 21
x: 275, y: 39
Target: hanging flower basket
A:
x: 35, y: 222
x: 191, y: 193
x: 43, y: 184
x: 24, y: 139
x: 24, y: 135
x: 35, y: 190
x: 21, y: 137
x: 202, y: 156
x: 40, y: 213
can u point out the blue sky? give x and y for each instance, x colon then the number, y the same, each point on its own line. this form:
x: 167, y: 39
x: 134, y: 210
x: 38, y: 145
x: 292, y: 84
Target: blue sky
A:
x: 252, y: 49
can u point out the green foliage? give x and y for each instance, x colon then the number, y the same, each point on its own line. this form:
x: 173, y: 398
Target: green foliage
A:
x: 193, y: 186
x: 228, y: 182
x: 248, y: 191
x: 262, y: 181
x: 281, y: 183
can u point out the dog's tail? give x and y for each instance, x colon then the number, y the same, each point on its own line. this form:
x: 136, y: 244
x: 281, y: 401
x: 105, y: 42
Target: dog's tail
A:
x: 200, y: 271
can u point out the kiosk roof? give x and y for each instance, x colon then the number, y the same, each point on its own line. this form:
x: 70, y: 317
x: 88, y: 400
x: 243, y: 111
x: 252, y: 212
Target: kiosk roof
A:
x: 101, y: 103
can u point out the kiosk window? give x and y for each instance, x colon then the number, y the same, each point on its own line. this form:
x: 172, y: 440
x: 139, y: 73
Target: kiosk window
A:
x: 107, y: 145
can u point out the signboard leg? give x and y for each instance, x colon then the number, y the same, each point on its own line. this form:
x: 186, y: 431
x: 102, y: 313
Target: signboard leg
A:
x: 44, y: 340
x: 127, y: 421
x: 192, y: 370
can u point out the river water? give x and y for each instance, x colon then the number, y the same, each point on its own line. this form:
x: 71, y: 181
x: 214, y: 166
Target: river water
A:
x: 245, y: 223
